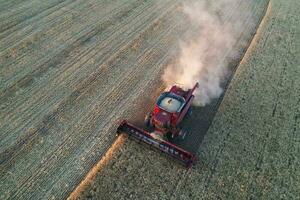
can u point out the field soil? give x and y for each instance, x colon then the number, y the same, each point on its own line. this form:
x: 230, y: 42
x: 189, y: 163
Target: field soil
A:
x: 252, y: 148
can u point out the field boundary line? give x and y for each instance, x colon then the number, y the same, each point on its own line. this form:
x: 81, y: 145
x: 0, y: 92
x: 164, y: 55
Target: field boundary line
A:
x: 257, y: 35
x: 88, y: 179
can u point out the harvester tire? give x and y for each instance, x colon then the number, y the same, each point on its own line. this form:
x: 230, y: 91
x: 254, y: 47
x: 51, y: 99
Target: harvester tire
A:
x: 167, y: 125
x: 148, y: 121
x: 183, y: 134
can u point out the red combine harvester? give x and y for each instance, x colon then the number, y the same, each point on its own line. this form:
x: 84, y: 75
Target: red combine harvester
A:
x: 163, y: 124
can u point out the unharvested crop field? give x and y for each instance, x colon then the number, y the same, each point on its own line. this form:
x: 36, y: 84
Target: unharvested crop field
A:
x: 70, y: 70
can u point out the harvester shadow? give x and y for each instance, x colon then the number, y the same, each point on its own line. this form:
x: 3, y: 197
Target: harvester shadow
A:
x: 198, y: 123
x: 197, y: 126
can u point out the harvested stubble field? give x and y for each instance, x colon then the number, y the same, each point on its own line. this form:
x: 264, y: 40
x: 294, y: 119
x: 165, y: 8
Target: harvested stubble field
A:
x: 69, y: 70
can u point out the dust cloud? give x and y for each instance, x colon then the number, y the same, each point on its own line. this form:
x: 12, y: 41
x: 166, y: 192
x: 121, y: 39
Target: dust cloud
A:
x: 205, y: 54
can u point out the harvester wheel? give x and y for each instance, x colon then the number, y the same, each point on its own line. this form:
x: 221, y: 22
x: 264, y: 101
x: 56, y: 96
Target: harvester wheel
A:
x: 182, y: 134
x: 189, y: 164
x: 170, y: 137
x: 148, y: 121
x: 167, y: 125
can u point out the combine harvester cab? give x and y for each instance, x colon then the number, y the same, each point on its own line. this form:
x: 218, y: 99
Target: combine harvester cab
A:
x: 162, y: 124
